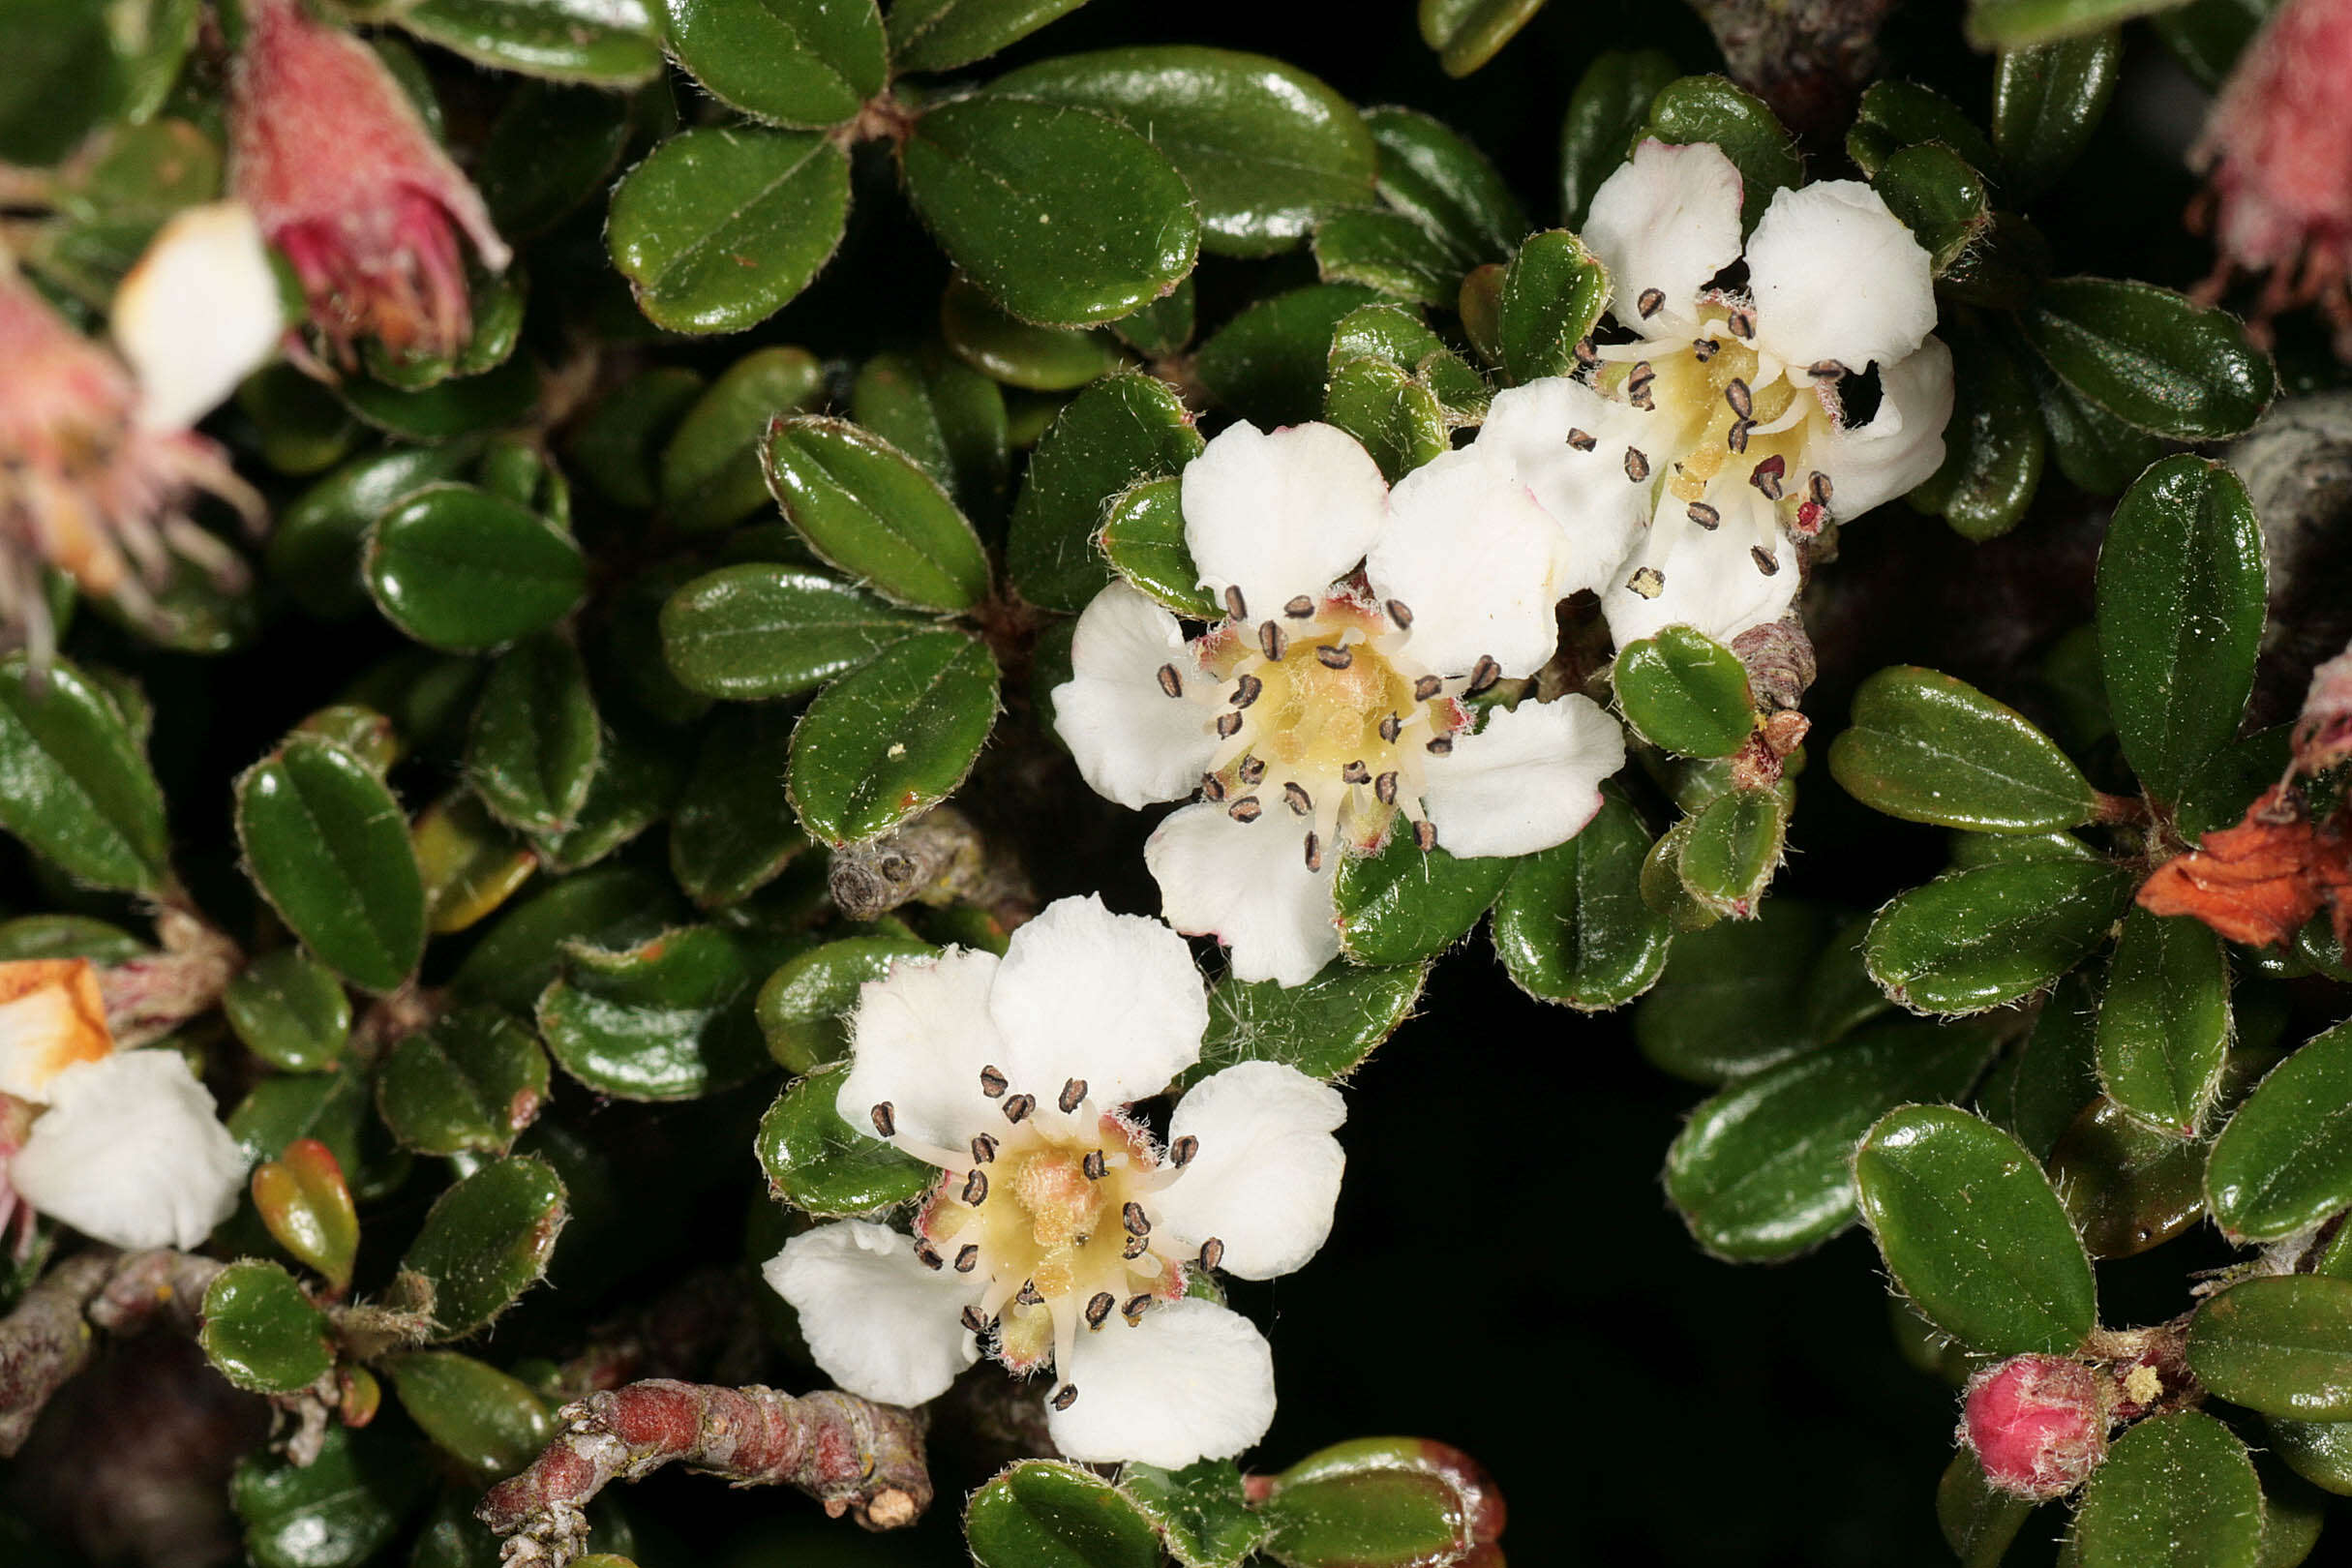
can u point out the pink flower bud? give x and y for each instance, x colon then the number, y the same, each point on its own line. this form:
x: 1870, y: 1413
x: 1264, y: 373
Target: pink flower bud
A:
x: 349, y: 184
x: 2037, y: 1423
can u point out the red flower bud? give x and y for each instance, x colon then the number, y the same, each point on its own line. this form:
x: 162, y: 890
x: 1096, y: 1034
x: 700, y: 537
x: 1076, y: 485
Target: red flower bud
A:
x: 2037, y: 1423
x: 349, y: 183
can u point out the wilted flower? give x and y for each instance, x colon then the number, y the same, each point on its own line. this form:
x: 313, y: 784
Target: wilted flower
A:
x: 1331, y: 701
x: 351, y: 185
x: 123, y: 1145
x: 1060, y: 1232
x: 97, y: 458
x: 1695, y: 453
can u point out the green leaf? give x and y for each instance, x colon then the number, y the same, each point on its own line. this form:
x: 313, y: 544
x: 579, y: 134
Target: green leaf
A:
x: 2219, y: 791
x: 1268, y: 363
x: 610, y: 42
x: 2175, y: 1491
x: 2127, y: 1186
x: 2010, y: 25
x: 710, y: 474
x: 486, y: 1241
x: 492, y: 1423
x: 1926, y: 747
x: 1389, y: 251
x: 1732, y: 1000
x: 611, y: 907
x: 1325, y: 1028
x: 2151, y: 357
x: 75, y: 784
x: 1405, y: 903
x: 2046, y: 101
x: 1203, y: 1515
x: 1994, y: 443
x: 2056, y: 1071
x: 1162, y: 329
x: 941, y: 35
x: 758, y: 631
x: 864, y: 508
x: 463, y: 570
x: 729, y: 837
x: 1712, y: 108
x: 1980, y: 938
x: 615, y: 444
x: 1733, y: 848
x: 2318, y: 1451
x: 1468, y: 33
x: 1609, y: 109
x: 1042, y: 1514
x: 1939, y: 198
x: 2208, y: 36
x: 1376, y: 1502
x: 2283, y: 1164
x: 336, y: 1512
x: 551, y: 148
x: 722, y: 226
x: 471, y: 1081
x: 1263, y: 145
x: 802, y: 1006
x: 2181, y: 597
x: 2165, y: 1024
x: 2094, y: 449
x: 1038, y: 358
x: 2280, y: 1344
x: 667, y: 1019
x: 315, y: 549
x: 1687, y: 693
x: 1433, y: 174
x: 535, y: 741
x: 470, y: 862
x: 1571, y: 926
x: 892, y: 738
x: 1398, y: 419
x: 1553, y: 292
x: 261, y: 1333
x: 1061, y: 215
x: 1399, y: 334
x: 1142, y: 537
x: 326, y: 844
x: 1973, y: 1233
x: 945, y: 416
x: 1978, y: 1519
x: 70, y: 936
x: 803, y: 63
x: 638, y: 781
x: 1763, y: 1170
x: 818, y: 1163
x: 1121, y: 429
x: 289, y: 1010
x: 1893, y: 115
x: 329, y: 1107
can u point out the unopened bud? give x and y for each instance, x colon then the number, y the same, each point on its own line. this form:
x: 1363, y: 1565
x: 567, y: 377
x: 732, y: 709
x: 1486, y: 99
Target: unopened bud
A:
x: 307, y: 1205
x: 361, y: 1395
x: 2037, y: 1423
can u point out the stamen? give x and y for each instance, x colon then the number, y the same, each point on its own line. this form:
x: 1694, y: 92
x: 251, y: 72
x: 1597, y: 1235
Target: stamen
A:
x: 1136, y: 1221
x: 1072, y: 1092
x: 1235, y: 605
x: 1315, y: 853
x: 1182, y: 1151
x: 967, y: 1258
x: 1742, y: 322
x: 1271, y: 641
x: 1637, y: 466
x: 983, y: 1149
x: 1334, y: 658
x: 1583, y: 352
x: 1767, y: 474
x: 1229, y: 725
x: 1765, y: 560
x: 1741, y: 400
x: 973, y: 1322
x: 1019, y: 1107
x: 1705, y: 348
x: 992, y: 1082
x: 975, y: 1188
x: 1484, y: 673
x: 1245, y: 691
x: 1212, y: 786
x: 1170, y: 682
x: 1818, y: 487
x: 1440, y: 745
x: 1647, y: 581
x: 1245, y: 810
x: 1099, y: 1308
x: 1425, y: 838
x: 1355, y: 772
x: 1253, y: 771
x: 1637, y: 384
x: 886, y: 1120
x: 1027, y: 1295
x: 1400, y: 613
x: 1094, y: 1165
x: 1300, y: 608
x: 1825, y: 370
x: 1581, y: 442
x: 1385, y: 788
x: 1705, y: 516
x: 1391, y: 727
x: 1211, y: 1252
x: 1135, y: 1307
x: 1067, y: 1397
x: 1737, y: 437
x: 1135, y: 1248
x: 1295, y: 796
x: 929, y: 1255
x: 1651, y: 302
x: 1426, y: 687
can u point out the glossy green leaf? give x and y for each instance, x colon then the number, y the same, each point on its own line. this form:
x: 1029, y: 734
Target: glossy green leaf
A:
x: 2175, y: 1491
x: 866, y: 509
x: 1468, y: 33
x: 818, y: 1163
x: 1268, y: 363
x: 1325, y: 1028
x: 486, y: 1241
x: 69, y: 936
x: 1142, y: 537
x: 1406, y: 903
x: 1061, y: 215
x: 607, y: 41
x: 2181, y: 597
x: 490, y: 1422
x: 2208, y: 36
x: 1202, y: 1512
x: 711, y: 474
x: 75, y: 783
x: 758, y: 631
x: 639, y: 779
x: 463, y: 570
x: 1893, y: 115
x: 1733, y: 848
x: 261, y: 1333
x: 1121, y: 429
x: 731, y: 836
x: 1939, y: 198
x: 2151, y: 357
x: 2047, y: 101
x: 1687, y: 693
x: 1732, y: 1000
x: 2127, y: 1186
x: 613, y: 907
x: 615, y: 445
x: 1399, y: 334
x: 1712, y: 108
x: 940, y: 35
x: 326, y: 844
x: 1263, y: 145
x: 722, y: 226
x: 1017, y: 353
x: 1609, y: 109
x: 314, y: 548
x: 892, y: 738
x: 1982, y: 937
x: 2054, y: 1072
x: 2280, y: 1344
x: 668, y: 1019
x: 803, y: 1006
x: 945, y: 416
x: 535, y: 741
x: 1388, y: 252
x: 336, y: 1512
x: 1763, y: 1170
x: 805, y: 63
x: 1973, y: 1233
x: 1553, y: 292
x: 1162, y: 329
x: 2318, y: 1451
x: 2011, y: 24
x: 289, y: 1010
x: 1570, y: 925
x: 2164, y: 1022
x: 471, y: 1081
x: 1978, y: 1519
x: 1374, y: 1503
x: 552, y: 147
x: 2284, y: 1162
x: 1398, y: 419
x: 2093, y: 448
x: 1994, y: 443
x: 331, y: 1107
x: 1043, y: 1514
x: 1926, y: 747
x: 1433, y: 174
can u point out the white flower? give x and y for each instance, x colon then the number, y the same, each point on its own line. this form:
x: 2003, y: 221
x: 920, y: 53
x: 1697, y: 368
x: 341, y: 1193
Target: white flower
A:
x: 123, y: 1145
x: 1060, y: 1233
x: 1329, y: 702
x: 1704, y: 448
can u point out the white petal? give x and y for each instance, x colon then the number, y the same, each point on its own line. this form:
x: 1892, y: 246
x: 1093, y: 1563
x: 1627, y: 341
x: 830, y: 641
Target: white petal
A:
x: 1668, y: 220
x: 1134, y: 742
x: 1904, y: 441
x: 1247, y: 884
x: 1468, y: 550
x: 1267, y: 1175
x: 1599, y: 511
x: 1282, y: 514
x: 1192, y: 1380
x: 133, y: 1153
x: 51, y: 1016
x: 1110, y: 999
x: 1530, y: 779
x: 883, y: 1326
x: 921, y: 1034
x: 1838, y: 275
x: 197, y: 314
x: 1711, y: 580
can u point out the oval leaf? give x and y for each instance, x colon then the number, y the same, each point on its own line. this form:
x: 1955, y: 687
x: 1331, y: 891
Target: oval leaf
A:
x: 721, y: 226
x: 2151, y: 357
x: 668, y: 1019
x: 2281, y: 1345
x: 1685, y: 693
x: 1571, y: 926
x: 326, y: 844
x: 865, y: 508
x: 758, y: 631
x: 2164, y: 1023
x: 74, y: 782
x: 261, y: 1333
x: 486, y: 1241
x: 891, y: 739
x: 473, y: 1080
x: 2284, y: 1162
x: 1979, y: 937
x: 810, y: 62
x: 1406, y: 903
x: 463, y: 570
x: 2177, y: 1491
x: 817, y: 1162
x: 1121, y: 430
x: 1926, y: 747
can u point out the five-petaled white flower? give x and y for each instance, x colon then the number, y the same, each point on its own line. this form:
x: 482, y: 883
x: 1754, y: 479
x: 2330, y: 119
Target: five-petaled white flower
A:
x: 123, y: 1145
x: 1330, y: 701
x: 1060, y: 1232
x: 1693, y: 453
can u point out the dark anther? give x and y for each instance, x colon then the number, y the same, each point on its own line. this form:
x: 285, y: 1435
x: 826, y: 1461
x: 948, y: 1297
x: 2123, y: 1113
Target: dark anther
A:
x: 1651, y: 302
x: 1066, y: 1397
x: 1425, y: 837
x: 1211, y: 1252
x: 1385, y: 788
x: 1741, y: 400
x: 1182, y: 1151
x: 1401, y: 614
x: 1637, y: 466
x: 975, y: 1188
x: 1295, y: 796
x: 1334, y: 658
x: 984, y: 1148
x: 1763, y: 560
x: 966, y: 1256
x: 1072, y: 1092
x: 886, y: 1120
x: 1272, y: 641
x: 1245, y: 810
x: 1093, y: 1164
x: 1705, y: 516
x: 992, y: 1082
x: 1229, y: 725
x: 1099, y: 1308
x: 1426, y: 687
x: 1300, y: 608
x: 1019, y: 1107
x: 1138, y: 1222
x: 1581, y: 442
x: 1355, y: 772
x: 1235, y: 605
x: 1245, y: 691
x: 1170, y: 682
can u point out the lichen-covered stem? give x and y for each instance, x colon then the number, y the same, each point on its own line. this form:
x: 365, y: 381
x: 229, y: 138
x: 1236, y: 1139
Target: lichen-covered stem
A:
x: 853, y: 1456
x: 47, y: 1338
